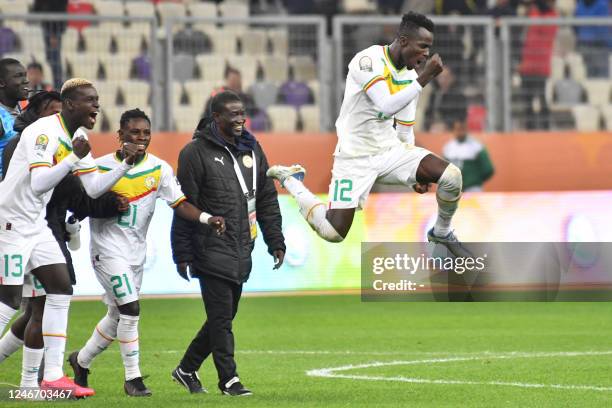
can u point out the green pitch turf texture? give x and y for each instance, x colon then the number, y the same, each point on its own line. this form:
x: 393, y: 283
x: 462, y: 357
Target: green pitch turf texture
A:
x: 555, y: 354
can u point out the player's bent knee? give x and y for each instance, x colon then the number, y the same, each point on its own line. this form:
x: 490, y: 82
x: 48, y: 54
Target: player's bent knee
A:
x: 450, y: 183
x: 130, y: 309
x: 326, y: 231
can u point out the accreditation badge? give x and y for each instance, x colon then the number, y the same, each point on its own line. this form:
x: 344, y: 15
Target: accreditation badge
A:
x: 251, y: 206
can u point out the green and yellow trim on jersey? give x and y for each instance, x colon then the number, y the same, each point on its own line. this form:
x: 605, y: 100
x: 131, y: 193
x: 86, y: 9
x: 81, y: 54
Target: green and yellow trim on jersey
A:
x: 389, y: 60
x: 64, y: 148
x: 138, y: 185
x: 63, y: 125
x: 80, y: 172
x: 405, y: 122
x: 39, y: 164
x: 372, y: 81
x: 177, y: 202
x: 394, y: 85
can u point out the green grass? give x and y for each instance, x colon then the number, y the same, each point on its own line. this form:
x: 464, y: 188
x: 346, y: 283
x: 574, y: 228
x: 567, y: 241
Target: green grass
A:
x: 348, y: 332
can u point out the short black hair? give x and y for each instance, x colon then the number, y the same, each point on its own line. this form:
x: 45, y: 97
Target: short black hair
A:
x: 5, y: 63
x: 41, y: 100
x: 230, y: 70
x: 132, y: 114
x: 35, y: 65
x: 221, y: 99
x: 411, y: 22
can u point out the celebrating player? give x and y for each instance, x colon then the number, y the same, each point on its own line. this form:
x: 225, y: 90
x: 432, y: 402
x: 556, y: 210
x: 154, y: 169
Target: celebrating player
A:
x: 48, y: 150
x: 118, y: 248
x: 382, y: 88
x: 26, y: 330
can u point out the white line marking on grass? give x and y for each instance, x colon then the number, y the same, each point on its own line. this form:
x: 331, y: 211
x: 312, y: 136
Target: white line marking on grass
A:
x: 334, y: 372
x: 343, y: 352
x: 9, y: 384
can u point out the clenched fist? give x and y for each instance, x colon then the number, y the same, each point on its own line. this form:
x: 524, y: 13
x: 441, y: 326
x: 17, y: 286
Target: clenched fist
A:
x: 433, y: 67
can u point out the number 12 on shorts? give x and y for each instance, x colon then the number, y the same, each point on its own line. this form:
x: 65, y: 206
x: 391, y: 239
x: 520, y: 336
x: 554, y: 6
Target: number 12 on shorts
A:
x: 342, y: 189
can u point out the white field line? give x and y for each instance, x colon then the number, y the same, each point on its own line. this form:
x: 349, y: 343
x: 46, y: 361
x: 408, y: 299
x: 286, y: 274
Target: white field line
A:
x: 335, y: 372
x: 348, y: 352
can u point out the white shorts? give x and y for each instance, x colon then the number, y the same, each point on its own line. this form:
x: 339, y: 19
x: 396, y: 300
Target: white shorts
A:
x: 353, y: 177
x: 19, y: 254
x: 32, y: 287
x: 121, y: 282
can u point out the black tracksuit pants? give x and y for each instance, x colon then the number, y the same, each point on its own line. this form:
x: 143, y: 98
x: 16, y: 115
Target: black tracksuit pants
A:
x: 221, y: 299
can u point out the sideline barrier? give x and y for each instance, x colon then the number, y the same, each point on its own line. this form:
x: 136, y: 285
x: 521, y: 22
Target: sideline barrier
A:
x: 524, y: 161
x: 314, y: 264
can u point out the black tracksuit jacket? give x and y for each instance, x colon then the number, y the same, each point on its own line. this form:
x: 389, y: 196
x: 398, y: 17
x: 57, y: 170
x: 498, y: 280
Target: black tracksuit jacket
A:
x: 207, y: 177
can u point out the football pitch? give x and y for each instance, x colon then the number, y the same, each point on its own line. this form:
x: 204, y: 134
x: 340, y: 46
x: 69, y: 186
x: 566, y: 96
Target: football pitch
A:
x: 336, y: 351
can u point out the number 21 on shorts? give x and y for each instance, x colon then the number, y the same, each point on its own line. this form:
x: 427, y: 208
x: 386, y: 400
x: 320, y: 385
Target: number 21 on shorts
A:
x: 342, y: 189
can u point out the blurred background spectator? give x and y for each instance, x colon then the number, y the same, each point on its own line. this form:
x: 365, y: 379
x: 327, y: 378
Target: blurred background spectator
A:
x: 37, y: 78
x: 52, y: 35
x: 446, y: 96
x: 469, y: 154
x: 233, y: 82
x: 594, y: 42
x: 535, y: 64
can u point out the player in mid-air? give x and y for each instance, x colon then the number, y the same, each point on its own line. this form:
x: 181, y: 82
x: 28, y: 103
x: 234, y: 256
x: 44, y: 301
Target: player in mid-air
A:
x: 48, y: 150
x: 118, y: 248
x: 382, y: 89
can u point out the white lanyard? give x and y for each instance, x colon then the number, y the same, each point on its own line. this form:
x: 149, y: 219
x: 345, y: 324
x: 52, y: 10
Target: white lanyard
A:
x: 245, y: 190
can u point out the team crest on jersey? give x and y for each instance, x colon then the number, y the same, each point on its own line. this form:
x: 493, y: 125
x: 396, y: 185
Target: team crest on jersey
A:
x: 41, y: 143
x: 365, y: 64
x: 247, y: 161
x: 150, y: 182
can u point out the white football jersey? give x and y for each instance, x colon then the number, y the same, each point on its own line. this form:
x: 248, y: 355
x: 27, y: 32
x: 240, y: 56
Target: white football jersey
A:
x: 44, y: 143
x: 362, y: 129
x: 125, y: 236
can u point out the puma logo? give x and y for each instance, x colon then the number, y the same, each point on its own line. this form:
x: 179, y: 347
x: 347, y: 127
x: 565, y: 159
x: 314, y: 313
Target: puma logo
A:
x: 220, y: 160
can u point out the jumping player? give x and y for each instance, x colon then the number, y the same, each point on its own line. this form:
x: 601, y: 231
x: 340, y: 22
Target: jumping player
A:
x: 382, y: 90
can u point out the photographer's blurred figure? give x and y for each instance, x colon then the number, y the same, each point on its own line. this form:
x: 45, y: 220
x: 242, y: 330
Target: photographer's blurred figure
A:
x: 469, y: 154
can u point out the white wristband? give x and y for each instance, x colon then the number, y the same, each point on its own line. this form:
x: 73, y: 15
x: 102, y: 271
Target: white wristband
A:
x: 204, y: 217
x: 72, y: 159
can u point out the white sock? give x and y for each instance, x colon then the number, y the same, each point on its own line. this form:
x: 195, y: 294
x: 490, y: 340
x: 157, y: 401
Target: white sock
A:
x: 6, y: 314
x: 30, y: 365
x: 54, y: 326
x: 312, y: 209
x: 127, y: 334
x: 447, y: 195
x: 102, y: 337
x: 9, y: 344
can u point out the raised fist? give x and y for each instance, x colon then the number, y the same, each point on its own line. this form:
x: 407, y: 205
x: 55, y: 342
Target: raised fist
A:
x: 433, y: 66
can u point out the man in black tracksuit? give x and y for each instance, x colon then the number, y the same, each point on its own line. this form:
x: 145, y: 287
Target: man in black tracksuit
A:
x: 223, y: 262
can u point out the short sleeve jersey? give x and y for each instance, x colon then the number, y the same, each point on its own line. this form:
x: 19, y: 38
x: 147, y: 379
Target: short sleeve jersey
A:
x: 124, y: 237
x: 362, y: 129
x: 44, y: 143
